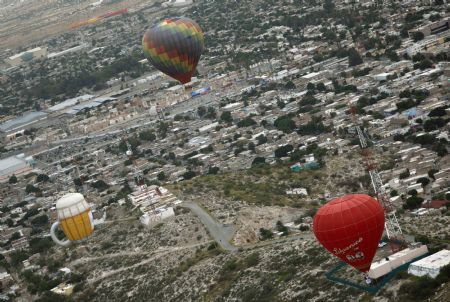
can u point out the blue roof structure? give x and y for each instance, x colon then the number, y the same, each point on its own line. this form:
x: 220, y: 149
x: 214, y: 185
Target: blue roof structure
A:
x: 22, y: 121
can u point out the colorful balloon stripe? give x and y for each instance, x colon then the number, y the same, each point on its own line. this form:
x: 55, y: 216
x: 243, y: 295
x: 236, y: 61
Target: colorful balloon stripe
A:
x: 174, y: 46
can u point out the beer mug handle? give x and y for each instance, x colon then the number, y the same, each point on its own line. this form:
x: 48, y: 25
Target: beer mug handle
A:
x: 64, y: 243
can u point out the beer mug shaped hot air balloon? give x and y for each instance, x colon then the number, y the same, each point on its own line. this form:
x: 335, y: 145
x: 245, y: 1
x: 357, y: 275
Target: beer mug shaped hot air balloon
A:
x: 350, y: 228
x: 174, y: 47
x: 74, y: 217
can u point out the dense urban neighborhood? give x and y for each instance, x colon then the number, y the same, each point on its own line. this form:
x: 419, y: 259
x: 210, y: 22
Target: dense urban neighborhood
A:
x: 207, y: 191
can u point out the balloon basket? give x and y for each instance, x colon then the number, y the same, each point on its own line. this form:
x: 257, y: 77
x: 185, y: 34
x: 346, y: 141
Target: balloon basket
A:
x: 335, y: 275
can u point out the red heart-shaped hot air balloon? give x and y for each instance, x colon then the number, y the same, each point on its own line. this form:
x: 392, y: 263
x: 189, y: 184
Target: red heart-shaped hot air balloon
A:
x: 350, y: 228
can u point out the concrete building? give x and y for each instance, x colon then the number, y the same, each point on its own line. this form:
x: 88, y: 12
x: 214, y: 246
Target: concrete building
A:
x: 156, y: 216
x: 5, y: 278
x: 27, y: 56
x: 432, y: 28
x: 386, y: 265
x: 20, y: 123
x: 15, y: 165
x: 63, y: 289
x: 430, y: 265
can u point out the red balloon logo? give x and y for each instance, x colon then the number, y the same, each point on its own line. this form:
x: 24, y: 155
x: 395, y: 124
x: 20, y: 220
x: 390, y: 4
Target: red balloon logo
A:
x: 350, y: 228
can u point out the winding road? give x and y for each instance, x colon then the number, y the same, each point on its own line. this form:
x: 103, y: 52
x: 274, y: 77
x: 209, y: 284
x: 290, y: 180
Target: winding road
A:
x: 221, y: 234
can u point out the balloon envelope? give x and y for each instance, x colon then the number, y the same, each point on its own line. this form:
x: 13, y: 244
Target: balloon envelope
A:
x: 174, y: 46
x: 350, y: 227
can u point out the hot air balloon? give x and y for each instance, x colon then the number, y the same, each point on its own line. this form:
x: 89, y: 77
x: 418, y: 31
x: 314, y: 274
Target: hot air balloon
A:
x: 75, y: 218
x: 174, y: 46
x: 350, y: 228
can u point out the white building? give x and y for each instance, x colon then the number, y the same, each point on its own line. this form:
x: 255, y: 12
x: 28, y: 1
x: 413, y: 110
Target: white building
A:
x: 63, y: 289
x: 15, y: 165
x: 386, y: 265
x: 26, y: 56
x: 157, y: 216
x: 430, y: 265
x: 420, y: 45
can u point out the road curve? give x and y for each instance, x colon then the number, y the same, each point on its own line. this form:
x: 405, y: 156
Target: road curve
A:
x: 220, y: 233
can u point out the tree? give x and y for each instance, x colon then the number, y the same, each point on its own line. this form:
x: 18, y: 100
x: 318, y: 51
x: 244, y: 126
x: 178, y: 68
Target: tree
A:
x: 265, y: 234
x: 201, y: 111
x: 213, y: 170
x: 412, y: 192
x: 283, y: 151
x: 289, y: 85
x: 258, y: 161
x: 211, y: 114
x: 40, y: 221
x: 310, y: 86
x: 31, y: 189
x: 431, y: 173
x: 161, y: 176
x: 15, y: 236
x: 147, y: 135
x: 17, y: 257
x: 189, y: 174
x: 354, y: 57
x: 262, y: 139
x: 417, y: 36
x: 321, y: 86
x: 251, y: 146
x: 38, y: 245
x: 328, y: 6
x: 9, y: 222
x: 424, y: 181
x: 285, y: 124
x: 247, y: 122
x: 77, y: 182
x: 226, y: 117
x: 281, y: 104
x: 434, y: 124
x: 413, y: 202
x: 394, y: 193
x: 424, y: 64
x: 404, y: 174
x: 436, y: 112
x: 162, y: 129
x: 282, y: 228
x: 100, y: 185
x: 13, y: 179
x: 42, y: 178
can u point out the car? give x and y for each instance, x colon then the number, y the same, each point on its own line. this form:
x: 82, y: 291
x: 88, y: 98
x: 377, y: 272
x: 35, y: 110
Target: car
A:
x: 381, y: 244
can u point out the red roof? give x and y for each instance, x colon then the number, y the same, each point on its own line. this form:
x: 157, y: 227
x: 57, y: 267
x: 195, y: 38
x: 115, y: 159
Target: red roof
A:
x: 436, y: 204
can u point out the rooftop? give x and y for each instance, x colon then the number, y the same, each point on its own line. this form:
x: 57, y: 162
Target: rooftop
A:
x: 21, y: 121
x: 436, y: 260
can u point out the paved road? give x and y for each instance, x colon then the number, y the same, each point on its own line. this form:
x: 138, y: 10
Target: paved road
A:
x: 221, y: 234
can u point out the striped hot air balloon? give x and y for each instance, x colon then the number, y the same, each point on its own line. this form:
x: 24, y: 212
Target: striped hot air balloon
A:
x: 174, y: 46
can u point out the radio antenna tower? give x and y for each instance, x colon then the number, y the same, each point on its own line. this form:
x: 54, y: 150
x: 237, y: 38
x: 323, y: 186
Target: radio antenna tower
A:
x: 136, y: 172
x: 159, y: 112
x: 392, y: 227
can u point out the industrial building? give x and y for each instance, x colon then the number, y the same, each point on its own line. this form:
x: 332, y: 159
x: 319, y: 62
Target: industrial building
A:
x: 27, y: 56
x: 156, y: 204
x: 430, y: 265
x: 432, y: 28
x: 70, y: 102
x: 19, y: 123
x: 15, y: 165
x: 156, y: 216
x: 70, y: 50
x: 63, y: 289
x: 386, y: 265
